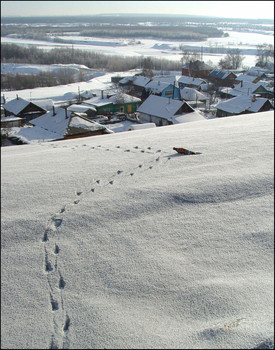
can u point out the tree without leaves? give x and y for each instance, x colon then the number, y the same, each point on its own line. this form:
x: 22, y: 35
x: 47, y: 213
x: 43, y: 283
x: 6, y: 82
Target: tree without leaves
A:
x: 265, y: 55
x: 233, y: 60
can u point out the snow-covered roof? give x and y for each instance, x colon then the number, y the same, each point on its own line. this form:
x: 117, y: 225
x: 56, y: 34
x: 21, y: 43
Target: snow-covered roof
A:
x: 16, y: 105
x: 46, y: 104
x: 141, y: 81
x: 220, y: 73
x: 160, y: 106
x: 246, y: 78
x: 79, y: 122
x: 142, y: 126
x: 239, y: 104
x: 57, y: 123
x: 80, y: 108
x: 157, y: 86
x: 190, y: 94
x: 246, y: 88
x: 166, y: 78
x: 29, y: 134
x: 87, y: 94
x: 120, y: 126
x: 251, y: 85
x: 191, y: 81
x: 257, y: 71
x: 187, y: 117
x: 53, y: 127
x: 124, y: 97
x: 126, y: 80
x: 99, y: 101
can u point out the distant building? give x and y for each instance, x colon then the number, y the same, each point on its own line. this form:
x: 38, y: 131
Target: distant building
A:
x: 196, y: 69
x: 222, y: 77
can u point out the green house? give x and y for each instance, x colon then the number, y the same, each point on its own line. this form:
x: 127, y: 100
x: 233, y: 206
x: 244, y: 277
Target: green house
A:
x: 116, y: 102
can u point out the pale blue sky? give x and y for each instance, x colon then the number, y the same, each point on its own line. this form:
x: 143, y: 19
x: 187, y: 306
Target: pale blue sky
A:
x: 229, y: 9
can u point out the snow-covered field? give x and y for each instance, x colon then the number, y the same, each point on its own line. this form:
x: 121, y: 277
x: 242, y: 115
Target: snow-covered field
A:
x: 116, y: 241
x: 66, y: 92
x: 161, y: 49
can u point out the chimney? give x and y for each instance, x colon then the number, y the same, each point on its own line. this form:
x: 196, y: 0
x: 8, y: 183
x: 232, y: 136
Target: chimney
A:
x: 66, y: 112
x: 54, y: 111
x: 17, y: 97
x: 254, y: 98
x: 241, y: 83
x: 102, y: 94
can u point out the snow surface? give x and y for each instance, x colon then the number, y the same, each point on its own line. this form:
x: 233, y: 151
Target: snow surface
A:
x: 116, y: 241
x: 65, y: 92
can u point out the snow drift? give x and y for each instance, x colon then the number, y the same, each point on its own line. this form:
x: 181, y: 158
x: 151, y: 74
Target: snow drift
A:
x: 116, y: 241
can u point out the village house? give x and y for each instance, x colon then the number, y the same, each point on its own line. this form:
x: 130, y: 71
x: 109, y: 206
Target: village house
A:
x: 193, y: 97
x: 166, y: 111
x: 125, y: 81
x: 221, y: 77
x: 247, y: 78
x: 59, y: 125
x: 191, y: 82
x: 24, y: 109
x: 139, y: 83
x: 160, y: 88
x: 243, y: 105
x: 196, y: 69
x: 109, y: 103
x: 261, y: 88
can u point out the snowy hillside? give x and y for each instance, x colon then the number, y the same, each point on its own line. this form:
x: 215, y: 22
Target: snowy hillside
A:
x: 116, y: 241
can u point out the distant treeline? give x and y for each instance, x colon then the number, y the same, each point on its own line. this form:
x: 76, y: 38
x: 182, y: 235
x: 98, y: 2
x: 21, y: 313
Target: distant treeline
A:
x: 197, y: 33
x: 11, y: 53
x: 130, y: 19
x: 160, y: 32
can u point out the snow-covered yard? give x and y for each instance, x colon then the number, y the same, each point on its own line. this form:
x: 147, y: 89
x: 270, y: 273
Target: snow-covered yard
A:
x: 116, y: 241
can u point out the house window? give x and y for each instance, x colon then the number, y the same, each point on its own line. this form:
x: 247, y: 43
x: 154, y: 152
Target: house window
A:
x: 168, y: 92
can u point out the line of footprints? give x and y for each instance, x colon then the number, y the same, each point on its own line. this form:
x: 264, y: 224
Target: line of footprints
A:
x: 56, y: 283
